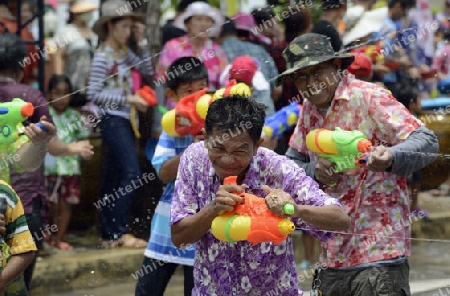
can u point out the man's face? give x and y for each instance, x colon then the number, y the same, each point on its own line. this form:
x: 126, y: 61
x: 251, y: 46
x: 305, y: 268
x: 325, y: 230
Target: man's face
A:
x: 231, y: 153
x: 318, y: 83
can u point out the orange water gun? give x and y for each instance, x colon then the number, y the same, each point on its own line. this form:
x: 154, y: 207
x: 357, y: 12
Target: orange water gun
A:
x: 188, y: 116
x: 252, y: 221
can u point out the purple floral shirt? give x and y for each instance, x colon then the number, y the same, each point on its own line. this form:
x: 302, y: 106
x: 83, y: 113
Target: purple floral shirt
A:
x: 223, y: 268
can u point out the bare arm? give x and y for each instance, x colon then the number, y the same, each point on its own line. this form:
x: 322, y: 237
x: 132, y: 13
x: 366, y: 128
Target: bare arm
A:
x: 15, y: 266
x: 326, y: 218
x: 169, y: 169
x: 56, y: 147
x: 192, y: 228
x: 59, y: 61
x: 30, y: 156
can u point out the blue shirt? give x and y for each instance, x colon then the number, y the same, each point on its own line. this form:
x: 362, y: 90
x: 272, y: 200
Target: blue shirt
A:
x: 388, y: 35
x: 160, y: 245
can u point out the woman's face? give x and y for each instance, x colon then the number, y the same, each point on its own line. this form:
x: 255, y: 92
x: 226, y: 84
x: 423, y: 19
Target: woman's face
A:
x: 120, y: 30
x: 25, y: 13
x: 199, y: 24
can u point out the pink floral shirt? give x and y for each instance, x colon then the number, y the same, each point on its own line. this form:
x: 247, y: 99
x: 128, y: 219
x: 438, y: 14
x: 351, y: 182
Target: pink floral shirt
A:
x: 377, y: 203
x: 212, y: 56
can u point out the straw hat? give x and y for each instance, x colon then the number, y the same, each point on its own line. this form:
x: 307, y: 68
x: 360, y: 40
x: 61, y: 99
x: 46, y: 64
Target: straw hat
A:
x: 201, y: 8
x: 83, y: 6
x: 113, y: 9
x: 369, y: 23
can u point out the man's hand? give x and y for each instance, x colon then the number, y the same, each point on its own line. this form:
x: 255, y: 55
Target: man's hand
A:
x: 225, y: 199
x: 325, y: 173
x: 37, y: 135
x: 379, y: 159
x: 82, y: 148
x: 276, y: 199
x: 2, y: 225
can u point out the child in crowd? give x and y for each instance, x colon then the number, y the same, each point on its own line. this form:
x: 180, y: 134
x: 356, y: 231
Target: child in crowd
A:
x: 361, y: 67
x: 246, y: 70
x: 63, y: 173
x: 16, y: 245
x: 165, y: 161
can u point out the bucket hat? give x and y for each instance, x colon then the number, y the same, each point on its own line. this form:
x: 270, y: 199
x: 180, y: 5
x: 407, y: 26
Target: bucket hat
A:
x: 113, y: 9
x: 309, y: 50
x: 201, y: 8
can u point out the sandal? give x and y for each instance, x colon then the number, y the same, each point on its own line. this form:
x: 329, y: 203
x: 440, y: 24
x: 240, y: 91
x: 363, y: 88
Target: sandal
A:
x: 63, y: 246
x: 130, y: 241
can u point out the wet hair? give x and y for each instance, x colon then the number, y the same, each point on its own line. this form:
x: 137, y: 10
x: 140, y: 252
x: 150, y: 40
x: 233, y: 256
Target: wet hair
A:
x: 175, y: 76
x: 297, y: 23
x: 13, y: 51
x: 57, y: 79
x: 228, y: 28
x: 227, y: 113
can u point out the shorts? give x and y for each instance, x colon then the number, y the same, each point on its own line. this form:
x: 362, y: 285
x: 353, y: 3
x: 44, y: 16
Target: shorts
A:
x: 415, y: 177
x: 65, y: 188
x: 386, y: 280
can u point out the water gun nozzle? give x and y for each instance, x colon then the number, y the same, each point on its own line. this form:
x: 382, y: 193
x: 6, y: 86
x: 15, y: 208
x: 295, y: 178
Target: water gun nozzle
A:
x: 364, y: 146
x: 27, y: 110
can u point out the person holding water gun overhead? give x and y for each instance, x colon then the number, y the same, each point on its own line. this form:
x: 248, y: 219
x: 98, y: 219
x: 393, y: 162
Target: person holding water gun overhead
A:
x: 165, y: 161
x: 232, y: 148
x: 380, y: 143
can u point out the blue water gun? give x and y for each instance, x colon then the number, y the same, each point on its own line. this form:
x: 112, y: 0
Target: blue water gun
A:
x: 282, y: 120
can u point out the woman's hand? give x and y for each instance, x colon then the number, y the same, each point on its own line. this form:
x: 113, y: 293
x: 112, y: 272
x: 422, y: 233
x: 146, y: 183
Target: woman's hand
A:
x: 138, y: 102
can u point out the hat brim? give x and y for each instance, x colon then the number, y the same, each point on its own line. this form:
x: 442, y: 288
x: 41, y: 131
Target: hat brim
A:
x: 83, y: 7
x: 99, y: 25
x: 347, y: 60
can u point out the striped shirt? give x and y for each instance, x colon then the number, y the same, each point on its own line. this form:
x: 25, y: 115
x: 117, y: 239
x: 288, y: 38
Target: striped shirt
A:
x: 110, y: 81
x: 160, y: 245
x: 18, y: 237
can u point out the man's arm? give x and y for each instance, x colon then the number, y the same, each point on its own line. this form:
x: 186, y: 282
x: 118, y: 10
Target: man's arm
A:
x: 329, y: 217
x: 415, y: 153
x: 302, y: 161
x: 169, y: 169
x: 192, y: 228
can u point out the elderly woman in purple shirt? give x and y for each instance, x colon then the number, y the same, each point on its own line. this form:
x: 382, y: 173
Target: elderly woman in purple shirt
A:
x: 232, y: 148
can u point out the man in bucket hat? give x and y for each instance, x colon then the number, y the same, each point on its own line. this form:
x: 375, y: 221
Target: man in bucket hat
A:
x: 370, y: 258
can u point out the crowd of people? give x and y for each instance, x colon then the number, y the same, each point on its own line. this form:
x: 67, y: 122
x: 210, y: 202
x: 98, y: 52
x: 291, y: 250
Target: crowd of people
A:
x: 351, y: 69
